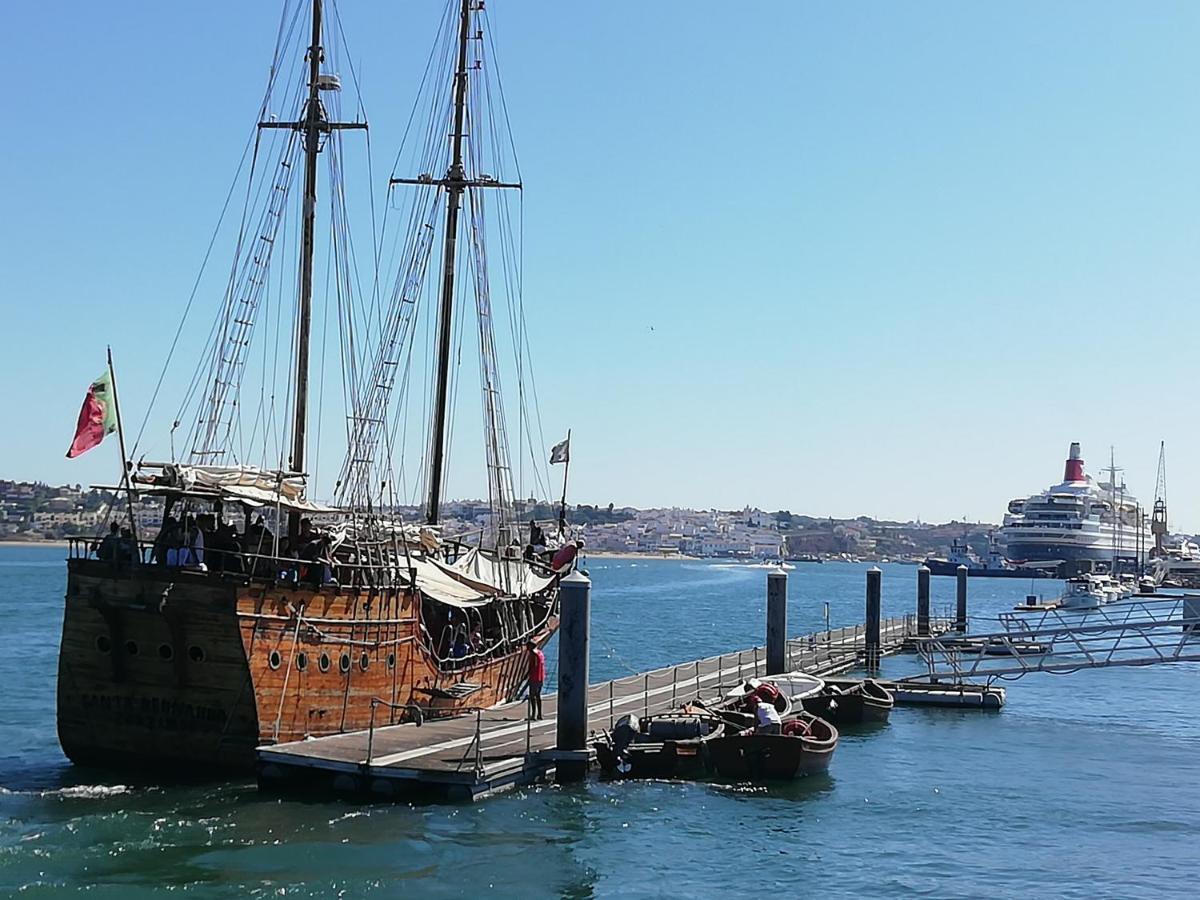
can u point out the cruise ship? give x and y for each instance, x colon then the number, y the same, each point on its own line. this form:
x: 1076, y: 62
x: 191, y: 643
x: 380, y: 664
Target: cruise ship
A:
x: 1079, y: 522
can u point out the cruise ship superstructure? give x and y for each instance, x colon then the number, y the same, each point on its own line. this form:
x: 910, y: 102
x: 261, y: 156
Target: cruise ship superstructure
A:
x: 1079, y: 521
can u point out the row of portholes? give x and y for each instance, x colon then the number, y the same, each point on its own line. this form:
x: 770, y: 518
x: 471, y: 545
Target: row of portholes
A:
x: 165, y: 651
x: 275, y: 660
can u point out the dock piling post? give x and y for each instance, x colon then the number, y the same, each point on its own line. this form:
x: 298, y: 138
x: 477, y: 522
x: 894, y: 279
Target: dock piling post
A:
x: 776, y: 622
x: 923, y: 601
x: 574, y: 595
x: 960, y: 617
x: 874, y: 605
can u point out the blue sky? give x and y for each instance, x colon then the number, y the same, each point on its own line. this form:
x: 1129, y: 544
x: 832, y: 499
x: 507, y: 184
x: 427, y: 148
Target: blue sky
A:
x: 870, y: 258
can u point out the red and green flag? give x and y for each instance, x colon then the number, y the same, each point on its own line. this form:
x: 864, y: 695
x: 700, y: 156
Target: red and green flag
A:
x: 97, y: 418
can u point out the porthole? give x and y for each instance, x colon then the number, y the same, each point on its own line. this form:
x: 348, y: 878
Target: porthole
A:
x: 301, y: 660
x: 103, y: 644
x: 166, y: 652
x: 131, y: 648
x: 344, y: 662
x: 274, y: 659
x: 391, y: 660
x: 196, y: 653
x: 364, y: 661
x: 323, y: 662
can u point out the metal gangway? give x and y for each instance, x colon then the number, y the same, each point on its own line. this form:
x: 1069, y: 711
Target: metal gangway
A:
x: 1143, y: 630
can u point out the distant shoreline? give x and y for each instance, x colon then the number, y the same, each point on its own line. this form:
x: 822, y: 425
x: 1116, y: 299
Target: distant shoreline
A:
x: 35, y: 542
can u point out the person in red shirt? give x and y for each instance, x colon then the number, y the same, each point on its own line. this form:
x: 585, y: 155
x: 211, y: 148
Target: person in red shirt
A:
x: 537, y: 677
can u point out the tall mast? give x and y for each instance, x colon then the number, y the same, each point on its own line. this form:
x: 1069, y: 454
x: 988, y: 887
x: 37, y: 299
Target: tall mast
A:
x: 455, y: 183
x: 313, y: 124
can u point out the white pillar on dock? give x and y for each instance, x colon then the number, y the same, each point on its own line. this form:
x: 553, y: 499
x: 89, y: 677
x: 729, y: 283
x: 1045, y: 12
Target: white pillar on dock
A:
x: 574, y: 599
x: 777, y: 622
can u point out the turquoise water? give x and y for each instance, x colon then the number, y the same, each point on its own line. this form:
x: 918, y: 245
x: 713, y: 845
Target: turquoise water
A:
x: 1083, y: 786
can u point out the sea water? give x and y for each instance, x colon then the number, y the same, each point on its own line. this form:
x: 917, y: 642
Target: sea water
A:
x: 1085, y: 785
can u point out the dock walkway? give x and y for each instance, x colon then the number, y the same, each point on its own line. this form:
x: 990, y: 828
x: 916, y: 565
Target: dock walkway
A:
x: 488, y: 750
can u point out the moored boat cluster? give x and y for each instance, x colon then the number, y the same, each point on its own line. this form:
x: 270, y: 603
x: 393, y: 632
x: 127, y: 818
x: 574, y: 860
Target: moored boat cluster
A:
x: 782, y: 727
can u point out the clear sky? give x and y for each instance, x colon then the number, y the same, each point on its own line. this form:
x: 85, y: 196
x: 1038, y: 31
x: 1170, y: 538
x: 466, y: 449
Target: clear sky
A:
x: 844, y: 258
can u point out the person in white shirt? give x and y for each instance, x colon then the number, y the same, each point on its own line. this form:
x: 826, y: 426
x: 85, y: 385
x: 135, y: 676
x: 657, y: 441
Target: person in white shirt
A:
x: 769, y: 721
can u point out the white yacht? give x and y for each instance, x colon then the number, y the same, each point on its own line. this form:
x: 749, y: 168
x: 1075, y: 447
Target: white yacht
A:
x: 1180, y: 566
x: 1091, y: 592
x: 1076, y: 521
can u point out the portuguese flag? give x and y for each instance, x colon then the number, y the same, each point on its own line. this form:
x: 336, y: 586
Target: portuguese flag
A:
x: 97, y: 418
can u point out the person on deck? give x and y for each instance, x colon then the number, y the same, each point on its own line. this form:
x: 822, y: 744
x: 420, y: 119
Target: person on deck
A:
x: 461, y: 648
x: 537, y: 677
x: 127, y: 548
x: 192, y: 552
x: 537, y: 537
x: 316, y: 556
x: 224, y: 549
x: 259, y: 541
x: 106, y: 550
x: 769, y: 721
x: 166, y: 545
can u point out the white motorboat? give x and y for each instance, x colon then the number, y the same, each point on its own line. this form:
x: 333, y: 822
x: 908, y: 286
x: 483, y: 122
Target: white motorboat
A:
x: 1091, y: 592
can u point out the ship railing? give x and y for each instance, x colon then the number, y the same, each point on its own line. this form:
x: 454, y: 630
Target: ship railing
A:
x: 418, y: 716
x: 390, y: 570
x: 499, y: 648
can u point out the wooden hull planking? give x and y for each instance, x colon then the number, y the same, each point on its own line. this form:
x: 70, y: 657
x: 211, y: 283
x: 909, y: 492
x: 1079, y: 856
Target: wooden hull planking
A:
x: 183, y: 670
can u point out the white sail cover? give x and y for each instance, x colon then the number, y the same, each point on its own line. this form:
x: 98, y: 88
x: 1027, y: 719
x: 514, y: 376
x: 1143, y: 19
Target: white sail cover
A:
x: 509, y: 576
x: 442, y: 586
x: 247, y: 484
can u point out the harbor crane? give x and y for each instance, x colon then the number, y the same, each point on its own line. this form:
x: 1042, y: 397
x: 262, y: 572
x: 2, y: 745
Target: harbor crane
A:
x: 1158, y: 516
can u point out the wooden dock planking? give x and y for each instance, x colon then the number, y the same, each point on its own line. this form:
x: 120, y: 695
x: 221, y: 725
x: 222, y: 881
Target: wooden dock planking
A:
x: 488, y: 750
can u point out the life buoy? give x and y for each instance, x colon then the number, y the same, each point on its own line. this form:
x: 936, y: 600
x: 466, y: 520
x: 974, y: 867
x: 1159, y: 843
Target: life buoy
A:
x: 796, y: 728
x: 766, y: 693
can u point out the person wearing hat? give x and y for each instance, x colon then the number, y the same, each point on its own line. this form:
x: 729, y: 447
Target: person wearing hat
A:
x: 537, y: 677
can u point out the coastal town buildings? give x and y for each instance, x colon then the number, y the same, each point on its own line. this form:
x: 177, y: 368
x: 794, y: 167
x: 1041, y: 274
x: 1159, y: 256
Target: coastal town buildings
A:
x: 37, y: 511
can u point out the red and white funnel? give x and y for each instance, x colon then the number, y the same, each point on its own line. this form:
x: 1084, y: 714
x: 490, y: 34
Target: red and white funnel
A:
x: 1074, y: 470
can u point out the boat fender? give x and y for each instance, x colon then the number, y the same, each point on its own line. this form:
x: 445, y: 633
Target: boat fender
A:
x: 418, y: 715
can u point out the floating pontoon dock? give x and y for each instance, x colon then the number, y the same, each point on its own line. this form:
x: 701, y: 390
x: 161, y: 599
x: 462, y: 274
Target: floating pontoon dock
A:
x: 471, y: 756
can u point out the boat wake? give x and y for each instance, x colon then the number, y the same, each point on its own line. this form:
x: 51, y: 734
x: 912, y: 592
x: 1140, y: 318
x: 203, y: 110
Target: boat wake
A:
x: 75, y: 792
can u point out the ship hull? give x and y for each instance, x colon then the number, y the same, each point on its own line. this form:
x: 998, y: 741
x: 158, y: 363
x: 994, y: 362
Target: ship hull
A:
x: 1038, y: 551
x: 167, y: 669
x: 944, y: 567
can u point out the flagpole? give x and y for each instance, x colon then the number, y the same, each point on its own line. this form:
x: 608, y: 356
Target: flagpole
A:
x: 125, y: 481
x: 562, y: 510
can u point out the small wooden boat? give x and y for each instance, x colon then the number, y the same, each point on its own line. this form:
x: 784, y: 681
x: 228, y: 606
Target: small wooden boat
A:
x: 788, y: 690
x: 851, y: 702
x: 670, y: 745
x: 804, y: 747
x: 795, y: 685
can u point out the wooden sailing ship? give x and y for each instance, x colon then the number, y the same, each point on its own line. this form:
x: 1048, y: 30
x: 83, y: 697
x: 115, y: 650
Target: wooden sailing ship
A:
x: 240, y: 623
